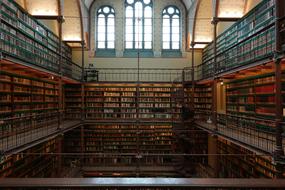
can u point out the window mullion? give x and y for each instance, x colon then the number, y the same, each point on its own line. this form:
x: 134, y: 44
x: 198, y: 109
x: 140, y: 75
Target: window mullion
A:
x: 142, y: 19
x: 106, y: 31
x: 134, y: 27
x: 170, y: 20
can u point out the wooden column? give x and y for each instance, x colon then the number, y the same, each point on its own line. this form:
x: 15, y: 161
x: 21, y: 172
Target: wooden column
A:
x: 60, y: 83
x: 58, y: 169
x: 82, y: 145
x: 214, y: 85
x: 213, y: 154
x: 278, y: 153
x: 82, y: 79
x: 193, y: 77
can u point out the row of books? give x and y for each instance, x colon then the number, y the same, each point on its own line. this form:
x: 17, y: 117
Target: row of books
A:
x: 250, y: 165
x: 24, y: 164
x: 27, y: 39
x: 260, y: 17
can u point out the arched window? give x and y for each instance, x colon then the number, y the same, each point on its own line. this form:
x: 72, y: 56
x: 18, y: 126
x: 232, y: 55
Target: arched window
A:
x: 171, y: 28
x: 138, y: 23
x: 105, y: 28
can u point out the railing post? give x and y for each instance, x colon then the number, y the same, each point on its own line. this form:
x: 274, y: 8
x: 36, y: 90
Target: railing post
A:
x: 278, y: 152
x: 193, y: 77
x: 82, y: 81
x: 60, y: 84
x: 214, y: 87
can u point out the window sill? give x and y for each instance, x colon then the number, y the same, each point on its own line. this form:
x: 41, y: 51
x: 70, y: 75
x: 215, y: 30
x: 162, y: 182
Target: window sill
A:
x: 171, y: 53
x: 105, y: 53
x: 132, y: 53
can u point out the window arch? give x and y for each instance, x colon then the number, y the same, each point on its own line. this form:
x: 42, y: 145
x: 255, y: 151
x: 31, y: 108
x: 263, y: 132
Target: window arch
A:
x: 105, y: 28
x: 138, y: 24
x: 171, y: 30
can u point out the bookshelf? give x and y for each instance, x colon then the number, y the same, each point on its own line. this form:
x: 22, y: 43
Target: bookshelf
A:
x: 111, y: 101
x: 27, y: 39
x: 73, y: 101
x: 249, y: 40
x: 117, y: 144
x: 26, y: 102
x: 250, y: 165
x: 253, y: 96
x: 33, y: 162
x: 203, y: 100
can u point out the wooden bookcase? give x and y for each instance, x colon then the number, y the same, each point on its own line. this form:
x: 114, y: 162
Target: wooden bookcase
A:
x: 248, y: 40
x: 149, y: 102
x: 26, y: 39
x: 125, y: 141
x: 253, y: 96
x: 73, y: 101
x: 26, y: 103
x: 250, y: 165
x: 203, y: 98
x: 33, y: 162
x: 110, y: 101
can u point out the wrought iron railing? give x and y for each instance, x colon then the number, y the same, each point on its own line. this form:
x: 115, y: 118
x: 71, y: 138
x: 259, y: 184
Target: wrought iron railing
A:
x: 133, y: 74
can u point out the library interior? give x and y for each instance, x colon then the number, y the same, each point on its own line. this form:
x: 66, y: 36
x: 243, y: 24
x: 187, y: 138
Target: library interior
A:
x: 142, y: 94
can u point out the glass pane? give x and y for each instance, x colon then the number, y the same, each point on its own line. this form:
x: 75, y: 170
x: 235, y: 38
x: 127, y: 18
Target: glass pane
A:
x: 101, y: 29
x: 130, y: 1
x: 111, y: 45
x: 166, y: 30
x: 147, y: 45
x: 146, y: 2
x: 148, y: 29
x: 175, y: 30
x: 166, y: 16
x: 129, y: 45
x: 175, y: 21
x: 166, y: 22
x: 129, y: 29
x: 129, y: 37
x: 101, y: 36
x: 148, y: 12
x: 111, y: 37
x: 175, y: 45
x: 148, y: 37
x: 166, y: 37
x: 111, y: 29
x: 111, y: 20
x: 175, y: 37
x: 129, y: 21
x: 101, y: 21
x: 138, y: 45
x: 138, y: 37
x: 138, y: 32
x: 170, y: 10
x: 138, y: 10
x: 129, y: 12
x: 177, y: 11
x: 166, y: 45
x: 106, y: 9
x: 101, y: 44
x: 147, y: 22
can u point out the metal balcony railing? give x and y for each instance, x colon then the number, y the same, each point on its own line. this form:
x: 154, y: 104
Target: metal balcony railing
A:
x: 19, y: 131
x: 258, y: 133
x: 133, y: 74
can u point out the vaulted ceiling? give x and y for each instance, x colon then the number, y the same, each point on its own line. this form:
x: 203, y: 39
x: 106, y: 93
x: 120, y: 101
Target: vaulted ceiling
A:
x: 200, y: 14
